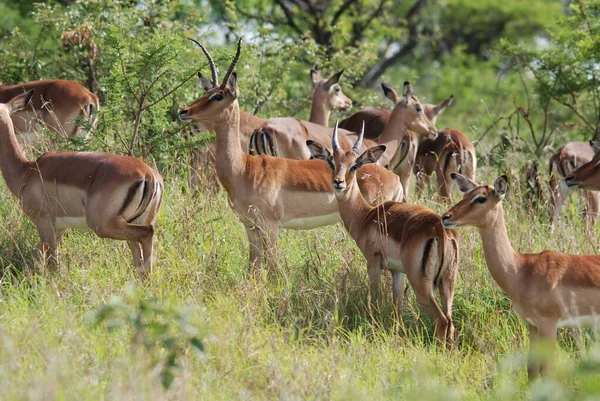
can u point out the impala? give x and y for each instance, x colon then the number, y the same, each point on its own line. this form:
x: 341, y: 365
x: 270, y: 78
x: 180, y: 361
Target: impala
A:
x: 450, y: 152
x: 408, y: 115
x: 269, y: 193
x: 57, y: 103
x: 568, y: 158
x: 400, y: 237
x: 547, y: 289
x: 115, y: 196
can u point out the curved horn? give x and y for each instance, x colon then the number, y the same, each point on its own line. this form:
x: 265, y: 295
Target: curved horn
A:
x: 233, y: 63
x: 213, y: 67
x: 359, y: 140
x: 335, y: 145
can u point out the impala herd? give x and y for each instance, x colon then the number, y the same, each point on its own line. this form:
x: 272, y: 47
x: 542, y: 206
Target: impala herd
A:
x: 289, y: 173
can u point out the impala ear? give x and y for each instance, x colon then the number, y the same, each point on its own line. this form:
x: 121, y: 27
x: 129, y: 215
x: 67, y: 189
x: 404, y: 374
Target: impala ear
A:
x: 232, y: 84
x: 441, y: 107
x: 500, y: 186
x: 19, y: 102
x: 389, y: 92
x: 333, y: 80
x: 463, y: 183
x: 595, y: 146
x: 319, y: 152
x: 206, y: 82
x: 369, y: 156
x: 315, y: 77
x: 408, y: 90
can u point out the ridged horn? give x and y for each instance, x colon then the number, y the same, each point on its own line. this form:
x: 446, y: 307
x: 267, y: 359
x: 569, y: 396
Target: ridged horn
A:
x: 233, y: 63
x: 359, y: 140
x: 334, y: 139
x: 213, y: 67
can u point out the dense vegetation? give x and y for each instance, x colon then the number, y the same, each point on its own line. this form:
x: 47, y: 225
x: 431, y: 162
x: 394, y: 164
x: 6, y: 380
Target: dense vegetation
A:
x: 525, y: 77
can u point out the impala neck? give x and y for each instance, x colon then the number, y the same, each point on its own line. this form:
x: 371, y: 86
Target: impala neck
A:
x: 13, y: 163
x: 500, y: 256
x: 394, y: 131
x: 319, y: 112
x: 229, y: 149
x: 353, y: 207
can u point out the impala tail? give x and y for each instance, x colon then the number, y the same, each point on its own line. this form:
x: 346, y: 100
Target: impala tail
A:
x: 262, y: 143
x: 151, y: 196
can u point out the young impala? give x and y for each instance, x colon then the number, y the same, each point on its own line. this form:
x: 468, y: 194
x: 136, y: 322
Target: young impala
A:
x: 547, y: 289
x: 399, y: 237
x: 57, y: 103
x: 269, y: 193
x: 568, y: 158
x: 115, y: 196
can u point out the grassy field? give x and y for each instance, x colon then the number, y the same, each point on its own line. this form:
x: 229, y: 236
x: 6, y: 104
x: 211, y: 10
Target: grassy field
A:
x: 304, y: 333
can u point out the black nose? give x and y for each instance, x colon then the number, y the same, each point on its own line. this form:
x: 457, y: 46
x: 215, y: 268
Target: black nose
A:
x: 569, y: 178
x: 446, y: 216
x: 182, y: 112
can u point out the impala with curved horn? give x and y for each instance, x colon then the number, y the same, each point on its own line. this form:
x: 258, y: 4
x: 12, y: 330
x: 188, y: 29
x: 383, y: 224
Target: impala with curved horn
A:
x: 115, y: 196
x: 269, y: 193
x: 399, y: 237
x: 547, y: 289
x: 57, y: 103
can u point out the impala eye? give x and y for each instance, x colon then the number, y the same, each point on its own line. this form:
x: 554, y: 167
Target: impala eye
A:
x: 480, y: 199
x: 218, y: 97
x: 337, y: 89
x: 353, y: 168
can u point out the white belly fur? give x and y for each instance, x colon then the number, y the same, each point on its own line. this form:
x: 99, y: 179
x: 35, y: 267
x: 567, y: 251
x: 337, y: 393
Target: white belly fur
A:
x: 309, y: 223
x: 77, y: 223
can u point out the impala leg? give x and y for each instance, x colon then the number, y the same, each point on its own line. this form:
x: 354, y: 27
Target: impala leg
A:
x: 119, y: 228
x: 592, y: 207
x: 443, y: 182
x: 398, y: 291
x: 426, y: 300
x: 533, y: 360
x: 270, y: 245
x: 558, y: 194
x: 547, y: 341
x: 256, y: 247
x: 374, y: 271
x: 447, y: 296
x: 136, y: 250
x: 47, y: 246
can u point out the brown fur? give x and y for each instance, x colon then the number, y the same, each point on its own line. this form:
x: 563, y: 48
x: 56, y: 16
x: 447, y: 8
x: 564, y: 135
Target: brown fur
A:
x: 573, y: 155
x: 95, y: 188
x: 57, y: 103
x: 399, y: 237
x: 267, y: 192
x: 545, y: 288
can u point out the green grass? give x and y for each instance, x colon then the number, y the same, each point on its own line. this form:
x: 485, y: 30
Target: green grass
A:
x: 304, y: 333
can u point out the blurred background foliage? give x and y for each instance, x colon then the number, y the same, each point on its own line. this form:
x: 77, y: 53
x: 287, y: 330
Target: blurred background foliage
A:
x: 524, y: 73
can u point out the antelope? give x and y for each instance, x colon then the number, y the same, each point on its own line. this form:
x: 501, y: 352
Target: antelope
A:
x: 451, y: 151
x: 408, y: 115
x: 562, y: 163
x: 115, y: 196
x: 58, y: 104
x: 268, y: 193
x: 547, y: 289
x: 399, y: 237
x: 285, y: 136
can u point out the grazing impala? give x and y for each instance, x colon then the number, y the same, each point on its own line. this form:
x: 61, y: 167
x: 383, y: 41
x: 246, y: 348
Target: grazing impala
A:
x: 400, y: 237
x: 57, y: 103
x: 568, y: 158
x: 115, y: 196
x: 548, y: 289
x: 269, y: 193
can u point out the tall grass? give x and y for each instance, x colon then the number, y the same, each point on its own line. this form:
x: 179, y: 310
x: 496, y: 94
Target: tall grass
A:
x: 305, y: 332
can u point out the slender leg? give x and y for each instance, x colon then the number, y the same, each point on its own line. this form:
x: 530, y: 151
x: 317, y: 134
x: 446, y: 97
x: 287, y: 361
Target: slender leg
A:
x: 547, y: 340
x: 374, y: 271
x: 533, y: 359
x: 447, y: 295
x: 147, y: 251
x: 398, y: 291
x: 47, y: 246
x: 592, y: 207
x: 426, y: 300
x: 256, y: 247
x: 270, y: 246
